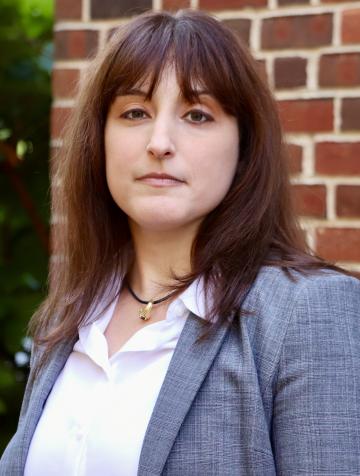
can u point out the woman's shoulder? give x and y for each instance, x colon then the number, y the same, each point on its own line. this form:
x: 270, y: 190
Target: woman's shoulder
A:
x: 298, y: 321
x: 275, y: 287
x: 279, y: 304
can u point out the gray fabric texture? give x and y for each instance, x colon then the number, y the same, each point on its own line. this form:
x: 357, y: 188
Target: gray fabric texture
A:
x: 278, y: 393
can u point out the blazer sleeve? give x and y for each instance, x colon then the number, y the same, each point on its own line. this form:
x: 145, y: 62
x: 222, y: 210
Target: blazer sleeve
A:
x: 315, y: 427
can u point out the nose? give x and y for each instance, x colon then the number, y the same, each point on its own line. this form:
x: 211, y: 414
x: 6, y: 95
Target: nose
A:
x: 161, y: 145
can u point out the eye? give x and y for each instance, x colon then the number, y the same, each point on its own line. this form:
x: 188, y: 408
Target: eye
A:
x: 199, y: 116
x: 133, y: 114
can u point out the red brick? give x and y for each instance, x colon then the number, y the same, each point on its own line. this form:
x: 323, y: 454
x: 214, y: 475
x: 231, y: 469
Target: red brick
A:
x: 59, y: 118
x: 292, y: 2
x: 312, y: 115
x: 351, y: 26
x: 348, y: 201
x: 303, y: 31
x: 295, y: 153
x: 175, y: 4
x: 337, y: 1
x: 240, y: 26
x: 103, y: 9
x: 350, y: 114
x: 68, y: 9
x: 75, y: 44
x: 310, y: 200
x: 337, y: 158
x: 290, y: 72
x: 340, y: 70
x: 64, y: 82
x: 233, y: 4
x: 338, y: 244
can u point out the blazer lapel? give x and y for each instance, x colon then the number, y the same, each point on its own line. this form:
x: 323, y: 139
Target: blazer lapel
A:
x: 41, y: 391
x: 188, y: 368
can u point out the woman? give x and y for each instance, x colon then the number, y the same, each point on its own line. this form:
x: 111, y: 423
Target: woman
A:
x: 188, y: 329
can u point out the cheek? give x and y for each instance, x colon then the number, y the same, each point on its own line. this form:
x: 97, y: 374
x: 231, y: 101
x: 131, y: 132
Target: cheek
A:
x: 114, y: 145
x: 216, y: 167
x: 118, y: 155
x: 116, y: 166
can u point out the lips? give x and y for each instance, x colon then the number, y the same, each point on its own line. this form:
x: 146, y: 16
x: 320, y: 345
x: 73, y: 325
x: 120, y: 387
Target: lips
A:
x: 160, y: 176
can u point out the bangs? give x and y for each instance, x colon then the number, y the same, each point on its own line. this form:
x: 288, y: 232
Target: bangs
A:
x: 200, y: 58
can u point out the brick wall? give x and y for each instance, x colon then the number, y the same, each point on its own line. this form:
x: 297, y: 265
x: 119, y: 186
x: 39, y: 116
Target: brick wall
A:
x: 310, y: 53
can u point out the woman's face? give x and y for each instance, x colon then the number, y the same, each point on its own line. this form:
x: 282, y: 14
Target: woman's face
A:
x: 196, y: 144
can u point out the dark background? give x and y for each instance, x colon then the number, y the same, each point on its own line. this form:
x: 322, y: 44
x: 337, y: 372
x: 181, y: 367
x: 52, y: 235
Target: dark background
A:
x: 25, y: 99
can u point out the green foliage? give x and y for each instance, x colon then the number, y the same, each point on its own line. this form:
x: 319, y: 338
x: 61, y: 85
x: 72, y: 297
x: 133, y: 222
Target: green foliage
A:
x: 25, y: 97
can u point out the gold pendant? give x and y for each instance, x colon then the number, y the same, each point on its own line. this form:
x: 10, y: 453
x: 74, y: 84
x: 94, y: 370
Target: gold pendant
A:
x: 144, y: 312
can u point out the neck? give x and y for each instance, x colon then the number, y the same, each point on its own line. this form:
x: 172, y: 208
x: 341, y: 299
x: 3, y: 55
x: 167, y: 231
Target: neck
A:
x: 157, y: 255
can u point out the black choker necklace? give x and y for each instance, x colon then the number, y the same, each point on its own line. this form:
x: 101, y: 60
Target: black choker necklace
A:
x: 144, y: 312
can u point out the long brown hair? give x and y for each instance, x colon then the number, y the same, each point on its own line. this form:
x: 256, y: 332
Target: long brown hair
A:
x: 255, y: 224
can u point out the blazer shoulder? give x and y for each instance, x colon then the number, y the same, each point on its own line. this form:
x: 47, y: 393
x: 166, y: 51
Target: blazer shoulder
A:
x: 277, y: 304
x: 273, y: 287
x: 274, y: 295
x: 327, y: 305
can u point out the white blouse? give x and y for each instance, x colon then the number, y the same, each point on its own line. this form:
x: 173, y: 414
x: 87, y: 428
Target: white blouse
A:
x: 96, y: 415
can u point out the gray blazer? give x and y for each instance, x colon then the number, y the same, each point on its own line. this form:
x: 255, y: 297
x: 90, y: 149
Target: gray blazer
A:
x: 278, y: 393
